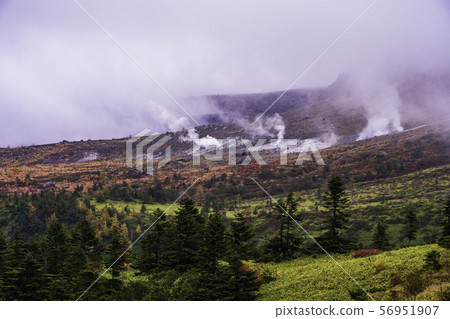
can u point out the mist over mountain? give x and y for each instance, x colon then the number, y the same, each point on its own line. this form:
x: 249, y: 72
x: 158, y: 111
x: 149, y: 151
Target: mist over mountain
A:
x: 355, y: 106
x: 64, y: 78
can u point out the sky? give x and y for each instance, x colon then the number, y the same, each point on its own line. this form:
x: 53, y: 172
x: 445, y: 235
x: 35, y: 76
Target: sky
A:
x: 62, y: 77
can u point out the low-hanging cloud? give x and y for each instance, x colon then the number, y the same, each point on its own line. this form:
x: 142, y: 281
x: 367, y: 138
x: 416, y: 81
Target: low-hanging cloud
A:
x: 62, y: 78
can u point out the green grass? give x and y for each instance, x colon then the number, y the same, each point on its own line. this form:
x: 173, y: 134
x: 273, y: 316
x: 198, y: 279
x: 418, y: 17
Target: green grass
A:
x: 320, y: 278
x: 135, y: 206
x: 370, y: 202
x: 378, y: 201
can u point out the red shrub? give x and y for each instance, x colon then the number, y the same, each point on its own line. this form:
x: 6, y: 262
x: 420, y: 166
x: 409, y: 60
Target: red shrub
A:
x: 259, y: 275
x: 366, y: 252
x: 396, y: 280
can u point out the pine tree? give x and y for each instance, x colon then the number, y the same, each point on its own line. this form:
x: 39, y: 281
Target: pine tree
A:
x: 380, y: 240
x: 188, y: 240
x: 11, y: 288
x: 240, y: 237
x: 3, y: 263
x: 85, y: 261
x: 82, y: 274
x: 243, y: 284
x: 116, y: 247
x: 152, y: 243
x: 337, y: 217
x: 276, y: 247
x: 444, y: 241
x: 23, y: 278
x: 235, y: 282
x: 32, y: 280
x: 214, y: 246
x: 292, y: 239
x: 211, y: 279
x: 411, y: 226
x: 86, y: 238
x: 56, y: 252
x: 287, y: 243
x: 57, y: 244
x: 3, y: 254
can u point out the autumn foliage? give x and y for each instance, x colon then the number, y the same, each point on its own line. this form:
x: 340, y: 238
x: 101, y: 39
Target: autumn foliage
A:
x: 366, y: 252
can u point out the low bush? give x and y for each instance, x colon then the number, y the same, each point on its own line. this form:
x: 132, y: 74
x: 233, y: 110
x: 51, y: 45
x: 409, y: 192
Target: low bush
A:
x: 380, y: 267
x: 432, y: 262
x: 396, y: 280
x: 414, y: 283
x: 366, y: 252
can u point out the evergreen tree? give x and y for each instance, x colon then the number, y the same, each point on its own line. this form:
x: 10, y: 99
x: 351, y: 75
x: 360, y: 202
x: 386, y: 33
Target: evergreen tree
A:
x: 35, y: 248
x: 86, y: 238
x: 432, y: 262
x: 11, y: 288
x: 17, y: 251
x: 208, y: 283
x: 411, y: 226
x: 243, y: 285
x: 188, y: 237
x: 292, y: 239
x: 3, y: 254
x: 444, y: 241
x: 85, y: 261
x: 337, y: 217
x: 57, y: 245
x: 214, y: 247
x: 4, y: 262
x: 240, y: 236
x: 117, y: 245
x: 59, y: 288
x: 287, y: 243
x: 56, y: 251
x: 152, y: 243
x: 380, y: 240
x: 235, y: 282
x: 82, y: 274
x: 31, y: 279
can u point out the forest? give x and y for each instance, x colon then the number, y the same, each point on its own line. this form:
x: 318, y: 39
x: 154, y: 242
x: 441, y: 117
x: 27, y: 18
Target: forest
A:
x: 59, y: 246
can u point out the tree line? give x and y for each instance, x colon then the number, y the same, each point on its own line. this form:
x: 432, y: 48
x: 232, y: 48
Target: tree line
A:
x: 186, y: 257
x: 192, y: 255
x: 289, y: 242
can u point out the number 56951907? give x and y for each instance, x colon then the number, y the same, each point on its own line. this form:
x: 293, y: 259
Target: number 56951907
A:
x: 408, y: 310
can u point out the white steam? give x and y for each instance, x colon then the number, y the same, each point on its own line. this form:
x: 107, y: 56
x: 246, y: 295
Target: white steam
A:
x: 192, y: 136
x: 266, y: 126
x: 326, y: 140
x: 167, y: 119
x: 381, y: 102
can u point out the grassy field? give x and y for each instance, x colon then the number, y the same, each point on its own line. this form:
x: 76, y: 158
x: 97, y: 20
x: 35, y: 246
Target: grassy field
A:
x: 418, y: 187
x: 320, y: 278
x: 370, y: 202
x: 376, y: 201
x: 135, y: 206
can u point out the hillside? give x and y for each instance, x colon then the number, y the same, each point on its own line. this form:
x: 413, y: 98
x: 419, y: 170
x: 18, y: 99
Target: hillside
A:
x: 68, y: 164
x: 382, y: 175
x: 52, y: 195
x: 386, y: 177
x: 215, y: 151
x: 383, y: 276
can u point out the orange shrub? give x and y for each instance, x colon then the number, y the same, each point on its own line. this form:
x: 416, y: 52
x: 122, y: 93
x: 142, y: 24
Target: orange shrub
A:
x: 366, y: 252
x: 396, y: 280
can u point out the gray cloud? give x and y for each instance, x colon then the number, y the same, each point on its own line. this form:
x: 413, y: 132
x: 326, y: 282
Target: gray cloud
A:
x: 61, y: 77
